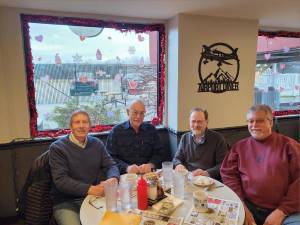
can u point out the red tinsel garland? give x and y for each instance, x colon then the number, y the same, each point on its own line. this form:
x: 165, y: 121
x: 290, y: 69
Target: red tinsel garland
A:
x: 273, y: 34
x: 287, y: 112
x: 123, y: 27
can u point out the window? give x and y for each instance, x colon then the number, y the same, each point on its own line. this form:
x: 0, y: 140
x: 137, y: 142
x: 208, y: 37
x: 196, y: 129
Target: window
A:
x: 277, y: 78
x: 94, y: 65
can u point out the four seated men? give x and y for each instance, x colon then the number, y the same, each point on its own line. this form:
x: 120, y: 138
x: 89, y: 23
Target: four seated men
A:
x: 263, y: 169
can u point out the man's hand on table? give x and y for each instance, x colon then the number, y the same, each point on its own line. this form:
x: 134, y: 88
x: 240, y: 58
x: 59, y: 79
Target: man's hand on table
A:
x: 112, y: 180
x: 180, y: 167
x: 199, y: 172
x: 145, y: 168
x: 133, y: 169
x: 97, y: 190
x: 275, y: 218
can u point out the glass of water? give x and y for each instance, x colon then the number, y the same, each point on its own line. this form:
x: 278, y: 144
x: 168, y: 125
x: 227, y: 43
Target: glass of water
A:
x: 178, y: 185
x: 167, y: 171
x: 125, y: 195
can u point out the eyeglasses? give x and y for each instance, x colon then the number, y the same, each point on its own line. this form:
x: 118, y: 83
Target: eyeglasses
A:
x: 198, y: 121
x: 97, y: 202
x: 257, y: 121
x: 136, y: 113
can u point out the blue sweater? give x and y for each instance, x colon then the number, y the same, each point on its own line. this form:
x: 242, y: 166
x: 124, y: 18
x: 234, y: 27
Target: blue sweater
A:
x: 75, y: 169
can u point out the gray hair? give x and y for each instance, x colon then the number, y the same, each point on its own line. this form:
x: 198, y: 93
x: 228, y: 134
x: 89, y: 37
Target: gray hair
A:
x: 262, y: 108
x: 128, y: 106
x: 77, y: 112
x: 197, y: 109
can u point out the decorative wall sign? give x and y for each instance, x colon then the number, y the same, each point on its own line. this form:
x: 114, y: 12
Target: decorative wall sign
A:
x: 218, y: 69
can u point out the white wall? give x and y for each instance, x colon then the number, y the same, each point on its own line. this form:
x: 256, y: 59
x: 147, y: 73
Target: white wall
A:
x: 225, y: 109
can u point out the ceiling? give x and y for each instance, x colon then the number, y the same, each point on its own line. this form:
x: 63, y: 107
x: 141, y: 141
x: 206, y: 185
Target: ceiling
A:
x: 277, y: 14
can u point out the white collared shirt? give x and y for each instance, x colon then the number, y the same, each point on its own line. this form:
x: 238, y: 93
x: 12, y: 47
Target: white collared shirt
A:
x: 76, y: 142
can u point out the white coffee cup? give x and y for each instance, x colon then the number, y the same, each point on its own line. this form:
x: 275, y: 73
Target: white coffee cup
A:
x: 200, y: 201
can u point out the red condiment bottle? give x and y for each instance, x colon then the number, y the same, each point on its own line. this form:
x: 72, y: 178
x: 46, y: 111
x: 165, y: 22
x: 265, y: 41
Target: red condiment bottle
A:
x: 142, y: 196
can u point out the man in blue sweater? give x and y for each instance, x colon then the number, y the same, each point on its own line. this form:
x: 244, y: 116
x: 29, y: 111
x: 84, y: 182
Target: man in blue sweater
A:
x: 76, y: 161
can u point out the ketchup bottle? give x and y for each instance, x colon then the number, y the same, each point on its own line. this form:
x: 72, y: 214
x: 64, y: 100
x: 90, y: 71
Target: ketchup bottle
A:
x: 142, y: 196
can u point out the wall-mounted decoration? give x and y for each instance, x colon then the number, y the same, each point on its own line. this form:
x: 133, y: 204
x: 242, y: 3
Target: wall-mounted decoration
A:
x: 218, y: 69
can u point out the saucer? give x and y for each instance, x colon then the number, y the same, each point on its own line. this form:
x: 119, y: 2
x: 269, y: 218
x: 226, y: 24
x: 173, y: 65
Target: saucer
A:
x: 202, y: 181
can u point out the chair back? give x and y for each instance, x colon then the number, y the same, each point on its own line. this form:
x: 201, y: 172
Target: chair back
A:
x: 34, y: 204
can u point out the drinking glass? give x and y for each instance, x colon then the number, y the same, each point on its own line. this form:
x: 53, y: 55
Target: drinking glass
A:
x: 125, y: 195
x: 111, y: 194
x: 167, y: 171
x: 178, y: 185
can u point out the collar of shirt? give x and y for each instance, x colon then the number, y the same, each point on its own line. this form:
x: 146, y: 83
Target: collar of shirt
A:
x: 76, y: 142
x: 127, y: 125
x: 199, y: 139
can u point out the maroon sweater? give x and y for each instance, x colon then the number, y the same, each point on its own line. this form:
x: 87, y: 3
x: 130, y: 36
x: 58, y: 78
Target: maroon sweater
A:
x: 265, y: 172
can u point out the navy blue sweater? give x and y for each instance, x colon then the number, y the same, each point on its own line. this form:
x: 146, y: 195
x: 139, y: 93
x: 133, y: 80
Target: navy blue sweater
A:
x: 75, y: 169
x: 128, y: 147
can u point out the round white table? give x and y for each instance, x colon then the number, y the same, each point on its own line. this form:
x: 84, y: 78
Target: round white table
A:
x: 90, y: 215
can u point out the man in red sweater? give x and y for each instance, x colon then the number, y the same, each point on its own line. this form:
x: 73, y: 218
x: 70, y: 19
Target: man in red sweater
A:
x: 263, y: 170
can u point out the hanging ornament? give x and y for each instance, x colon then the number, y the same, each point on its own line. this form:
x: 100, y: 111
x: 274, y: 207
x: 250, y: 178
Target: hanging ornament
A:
x: 267, y: 56
x: 57, y: 59
x: 82, y: 38
x: 141, y: 38
x: 39, y: 38
x: 132, y: 84
x: 109, y: 38
x: 131, y: 50
x: 98, y: 54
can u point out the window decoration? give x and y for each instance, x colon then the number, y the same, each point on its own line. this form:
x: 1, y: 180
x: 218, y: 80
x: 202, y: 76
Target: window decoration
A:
x: 84, y: 84
x: 277, y: 75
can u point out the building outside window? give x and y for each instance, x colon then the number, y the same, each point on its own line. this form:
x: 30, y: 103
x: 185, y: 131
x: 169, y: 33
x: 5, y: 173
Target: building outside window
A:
x: 77, y: 64
x: 277, y: 78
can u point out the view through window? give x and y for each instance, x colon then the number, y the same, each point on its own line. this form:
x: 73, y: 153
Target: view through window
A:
x: 99, y: 69
x: 277, y: 78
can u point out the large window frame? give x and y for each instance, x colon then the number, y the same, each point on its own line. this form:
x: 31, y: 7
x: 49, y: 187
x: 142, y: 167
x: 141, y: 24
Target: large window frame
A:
x: 121, y: 26
x: 274, y: 34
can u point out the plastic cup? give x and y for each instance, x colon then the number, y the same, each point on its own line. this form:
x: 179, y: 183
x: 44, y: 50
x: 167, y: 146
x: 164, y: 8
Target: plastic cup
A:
x: 178, y: 185
x: 167, y: 171
x: 111, y: 194
x: 125, y: 195
x: 200, y: 201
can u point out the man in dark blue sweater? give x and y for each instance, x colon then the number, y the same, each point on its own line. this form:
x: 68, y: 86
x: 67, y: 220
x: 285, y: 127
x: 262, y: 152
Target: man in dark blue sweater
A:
x: 135, y: 144
x: 76, y: 161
